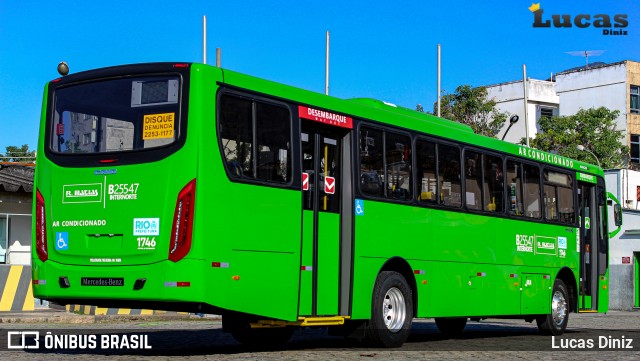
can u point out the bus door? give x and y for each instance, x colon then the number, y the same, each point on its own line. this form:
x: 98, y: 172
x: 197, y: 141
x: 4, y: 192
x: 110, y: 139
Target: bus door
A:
x: 593, y: 244
x: 326, y: 238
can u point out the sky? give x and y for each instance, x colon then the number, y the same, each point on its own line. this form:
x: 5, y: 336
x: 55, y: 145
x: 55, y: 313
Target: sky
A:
x: 379, y: 49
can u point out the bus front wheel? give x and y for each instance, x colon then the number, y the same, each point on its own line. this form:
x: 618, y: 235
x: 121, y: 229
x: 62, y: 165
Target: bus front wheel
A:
x: 392, y: 311
x: 555, y: 323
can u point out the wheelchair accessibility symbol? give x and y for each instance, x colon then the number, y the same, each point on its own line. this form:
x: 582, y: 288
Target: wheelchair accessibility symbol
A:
x: 62, y: 241
x: 359, y: 207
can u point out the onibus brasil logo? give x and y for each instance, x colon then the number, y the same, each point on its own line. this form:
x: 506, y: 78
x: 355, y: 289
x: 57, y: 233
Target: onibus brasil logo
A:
x: 615, y: 24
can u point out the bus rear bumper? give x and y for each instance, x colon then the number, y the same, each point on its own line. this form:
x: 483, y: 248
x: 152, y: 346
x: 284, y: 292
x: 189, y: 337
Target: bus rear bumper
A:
x: 164, y: 281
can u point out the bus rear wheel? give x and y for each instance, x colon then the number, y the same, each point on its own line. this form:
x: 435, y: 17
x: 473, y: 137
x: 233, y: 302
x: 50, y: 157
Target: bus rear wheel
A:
x: 392, y: 311
x: 555, y: 323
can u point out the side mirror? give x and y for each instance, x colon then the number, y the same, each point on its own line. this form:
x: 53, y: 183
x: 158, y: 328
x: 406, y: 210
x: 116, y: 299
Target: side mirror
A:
x: 617, y: 214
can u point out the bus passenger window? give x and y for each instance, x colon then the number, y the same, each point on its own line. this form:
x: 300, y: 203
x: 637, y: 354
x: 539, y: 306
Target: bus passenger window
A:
x: 531, y: 190
x: 426, y: 172
x: 558, y: 197
x: 550, y: 203
x: 514, y: 182
x: 237, y: 135
x: 398, y: 156
x: 472, y: 179
x: 273, y: 125
x: 371, y: 169
x: 449, y: 175
x: 493, y: 184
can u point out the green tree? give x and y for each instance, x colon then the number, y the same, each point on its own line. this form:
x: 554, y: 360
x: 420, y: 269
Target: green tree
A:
x: 19, y: 154
x: 594, y: 128
x: 470, y: 106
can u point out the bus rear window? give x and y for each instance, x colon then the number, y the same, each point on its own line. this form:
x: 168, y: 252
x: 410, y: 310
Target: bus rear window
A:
x: 116, y: 115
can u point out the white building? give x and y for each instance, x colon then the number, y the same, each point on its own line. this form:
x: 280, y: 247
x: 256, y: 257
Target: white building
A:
x: 542, y: 101
x: 615, y: 86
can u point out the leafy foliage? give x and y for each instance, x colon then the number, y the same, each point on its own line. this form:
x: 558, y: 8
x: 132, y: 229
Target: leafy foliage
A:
x: 470, y: 106
x: 594, y: 128
x: 19, y: 154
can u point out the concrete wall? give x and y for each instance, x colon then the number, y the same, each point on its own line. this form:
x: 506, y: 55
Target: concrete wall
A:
x: 595, y: 87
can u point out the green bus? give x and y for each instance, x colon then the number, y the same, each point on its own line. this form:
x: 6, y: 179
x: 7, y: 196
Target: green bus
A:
x: 187, y: 187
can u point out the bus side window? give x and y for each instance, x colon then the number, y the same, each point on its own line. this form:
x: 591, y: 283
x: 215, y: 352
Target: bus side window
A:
x: 493, y: 184
x: 273, y: 128
x: 371, y: 168
x: 398, y: 155
x: 449, y: 175
x: 237, y: 135
x: 531, y: 190
x: 514, y: 188
x: 473, y: 179
x: 558, y: 197
x: 426, y: 172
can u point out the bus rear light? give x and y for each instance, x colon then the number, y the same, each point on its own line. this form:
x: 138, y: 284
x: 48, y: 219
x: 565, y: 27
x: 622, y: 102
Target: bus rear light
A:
x: 107, y: 160
x: 181, y: 65
x: 41, y: 228
x: 180, y: 242
x: 220, y: 264
x: 178, y: 284
x: 39, y: 282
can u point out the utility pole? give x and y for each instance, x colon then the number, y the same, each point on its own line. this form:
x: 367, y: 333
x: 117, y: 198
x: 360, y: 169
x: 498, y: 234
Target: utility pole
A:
x: 204, y: 39
x: 326, y: 68
x: 526, y: 102
x: 439, y: 49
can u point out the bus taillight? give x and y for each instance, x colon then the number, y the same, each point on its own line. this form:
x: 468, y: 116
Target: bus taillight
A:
x: 180, y: 242
x: 41, y: 228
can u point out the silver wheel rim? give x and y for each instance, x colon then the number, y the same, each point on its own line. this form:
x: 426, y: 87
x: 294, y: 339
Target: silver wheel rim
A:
x: 559, y: 308
x: 394, y: 310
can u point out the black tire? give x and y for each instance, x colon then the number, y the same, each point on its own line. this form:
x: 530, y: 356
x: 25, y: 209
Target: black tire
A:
x: 451, y: 326
x: 555, y: 323
x: 240, y: 328
x: 391, y: 311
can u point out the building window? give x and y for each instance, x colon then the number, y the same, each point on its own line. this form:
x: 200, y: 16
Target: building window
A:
x: 635, y: 148
x: 635, y: 99
x: 546, y: 112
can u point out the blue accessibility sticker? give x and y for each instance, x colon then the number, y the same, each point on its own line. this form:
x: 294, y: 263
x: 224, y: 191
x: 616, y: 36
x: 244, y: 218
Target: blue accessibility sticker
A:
x: 359, y: 207
x: 62, y: 241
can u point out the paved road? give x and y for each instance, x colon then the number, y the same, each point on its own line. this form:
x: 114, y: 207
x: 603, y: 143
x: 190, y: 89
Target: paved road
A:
x: 202, y: 339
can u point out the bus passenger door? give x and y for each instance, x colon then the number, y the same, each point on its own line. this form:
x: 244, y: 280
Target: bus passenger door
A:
x: 326, y: 182
x: 593, y: 245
